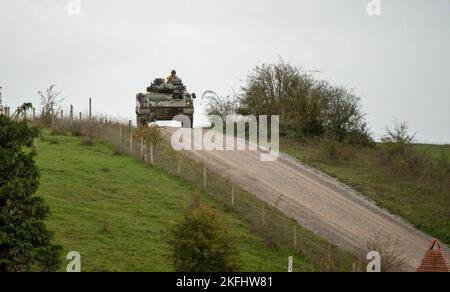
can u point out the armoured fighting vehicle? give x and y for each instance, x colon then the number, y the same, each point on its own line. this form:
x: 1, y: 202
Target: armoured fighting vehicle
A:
x: 164, y: 101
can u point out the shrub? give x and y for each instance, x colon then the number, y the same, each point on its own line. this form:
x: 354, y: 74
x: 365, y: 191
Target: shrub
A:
x: 76, y: 132
x: 21, y: 112
x: 88, y: 128
x: 119, y: 151
x: 328, y: 151
x: 25, y: 243
x: 305, y: 105
x: 399, y: 134
x: 444, y: 160
x: 196, y: 200
x: 58, y: 132
x: 201, y: 242
x: 391, y: 259
x: 220, y: 106
x: 285, y: 90
x: 54, y: 141
x: 397, y: 151
x: 88, y: 142
x: 150, y: 134
x: 345, y: 121
x: 50, y: 105
x: 270, y: 235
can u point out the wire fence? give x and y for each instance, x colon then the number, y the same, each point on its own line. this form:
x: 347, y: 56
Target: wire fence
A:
x: 269, y: 218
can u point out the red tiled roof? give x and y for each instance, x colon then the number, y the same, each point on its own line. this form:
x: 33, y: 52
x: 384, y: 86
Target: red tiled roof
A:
x: 434, y: 260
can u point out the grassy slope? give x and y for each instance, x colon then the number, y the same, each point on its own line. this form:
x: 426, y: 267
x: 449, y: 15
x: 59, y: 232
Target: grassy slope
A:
x: 116, y: 211
x: 434, y: 151
x: 425, y: 206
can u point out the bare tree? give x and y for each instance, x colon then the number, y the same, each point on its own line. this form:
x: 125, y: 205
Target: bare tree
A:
x: 399, y: 134
x: 391, y: 258
x: 220, y: 106
x: 50, y: 104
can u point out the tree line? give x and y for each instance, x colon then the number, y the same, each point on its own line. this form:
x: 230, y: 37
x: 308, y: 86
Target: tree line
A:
x: 307, y: 107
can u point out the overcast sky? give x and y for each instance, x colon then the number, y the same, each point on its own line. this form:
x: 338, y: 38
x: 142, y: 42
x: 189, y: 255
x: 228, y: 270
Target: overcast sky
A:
x: 398, y: 62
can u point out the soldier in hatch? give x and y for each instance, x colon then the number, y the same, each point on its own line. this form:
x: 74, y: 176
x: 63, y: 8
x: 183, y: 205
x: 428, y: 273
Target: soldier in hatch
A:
x: 173, y: 76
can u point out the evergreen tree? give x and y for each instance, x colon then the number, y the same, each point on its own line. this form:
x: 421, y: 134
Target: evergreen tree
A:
x: 25, y: 242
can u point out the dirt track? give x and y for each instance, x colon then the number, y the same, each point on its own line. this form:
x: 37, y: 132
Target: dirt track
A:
x: 324, y: 207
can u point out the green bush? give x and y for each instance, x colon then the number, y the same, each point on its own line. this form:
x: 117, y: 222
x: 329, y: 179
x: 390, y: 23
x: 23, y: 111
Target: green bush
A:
x: 58, y: 132
x: 88, y: 142
x: 403, y: 159
x: 306, y: 106
x: 150, y: 135
x: 201, y: 242
x: 444, y: 160
x: 329, y: 151
x: 397, y: 152
x: 25, y: 243
x: 76, y: 132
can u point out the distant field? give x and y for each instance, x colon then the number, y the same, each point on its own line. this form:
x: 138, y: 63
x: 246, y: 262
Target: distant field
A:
x: 116, y: 211
x: 434, y: 151
x: 420, y: 201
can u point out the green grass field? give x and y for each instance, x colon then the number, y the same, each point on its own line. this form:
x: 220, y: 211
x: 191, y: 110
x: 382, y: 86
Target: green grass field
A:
x: 423, y: 201
x: 435, y: 152
x: 117, y: 211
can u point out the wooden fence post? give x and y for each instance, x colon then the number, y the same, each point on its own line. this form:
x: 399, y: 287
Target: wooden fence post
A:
x: 329, y: 258
x: 295, y: 236
x: 71, y: 115
x: 179, y: 166
x: 145, y: 152
x: 263, y: 215
x: 81, y: 126
x: 204, y: 177
x: 131, y: 144
x: 121, y: 134
x: 90, y: 108
x: 142, y: 148
x: 130, y: 136
x: 152, y: 158
x: 233, y: 191
x: 101, y: 128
